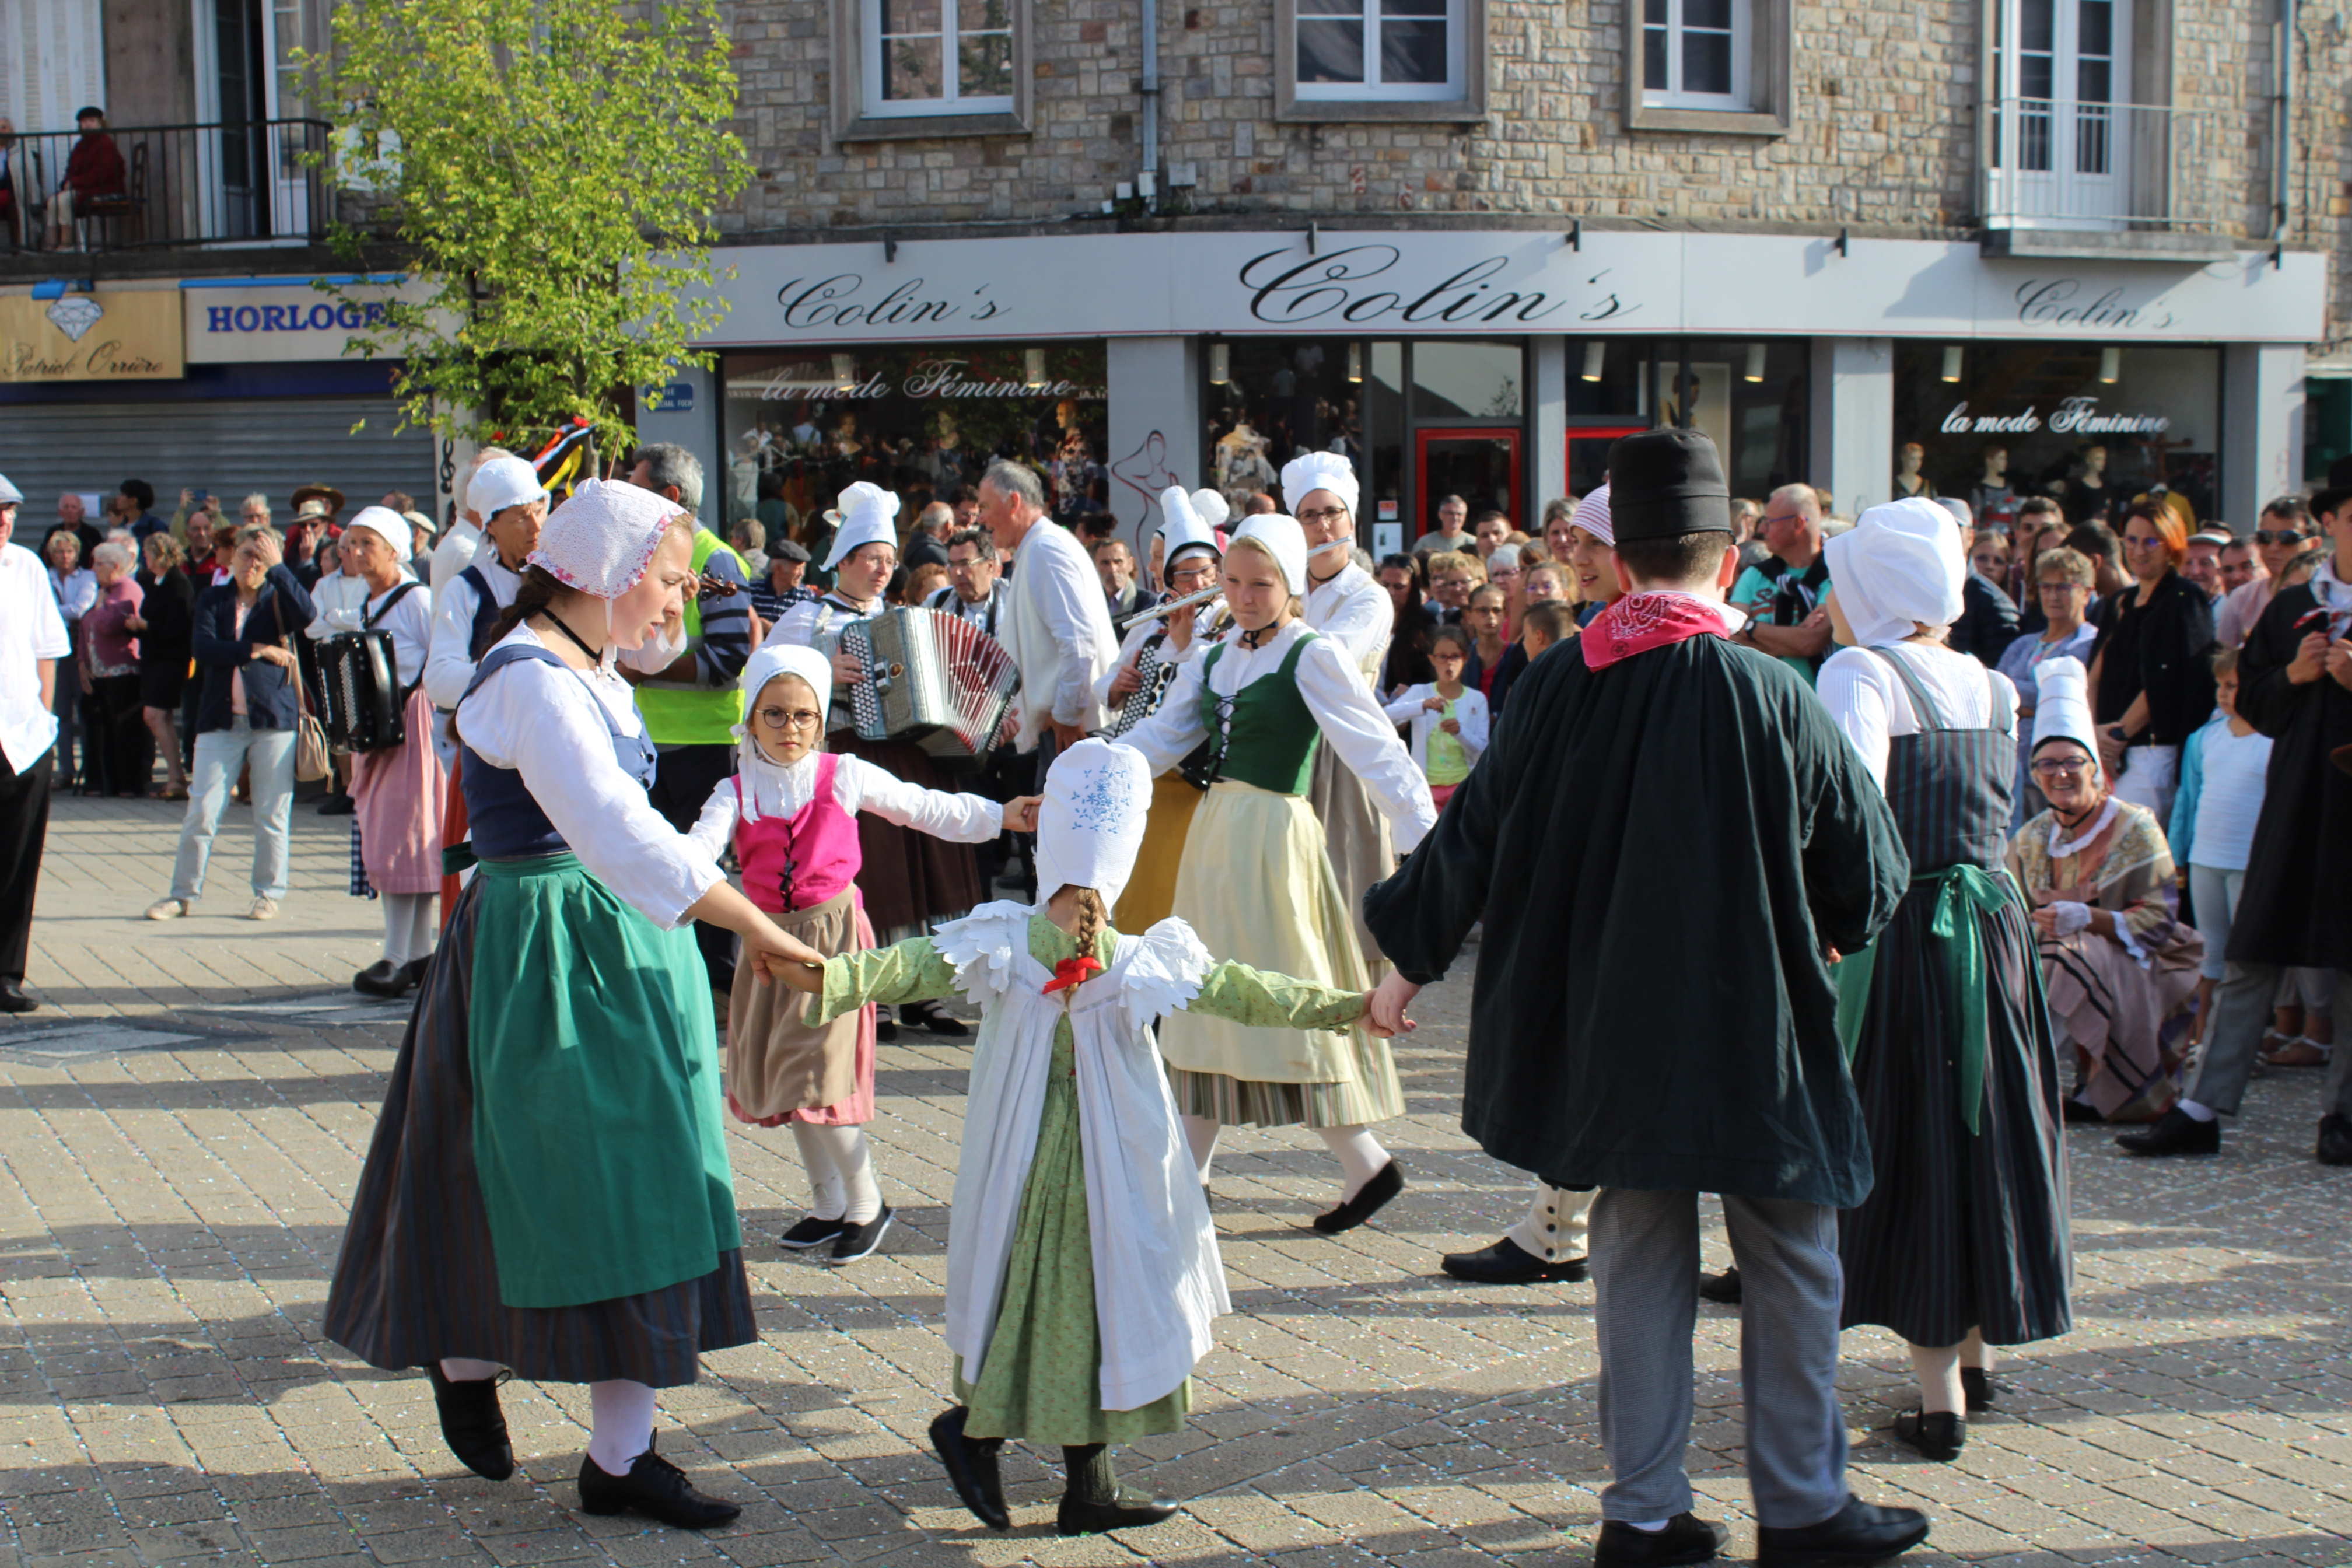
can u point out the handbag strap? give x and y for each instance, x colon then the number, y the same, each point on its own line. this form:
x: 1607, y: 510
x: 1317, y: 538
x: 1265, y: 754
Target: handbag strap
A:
x: 301, y: 686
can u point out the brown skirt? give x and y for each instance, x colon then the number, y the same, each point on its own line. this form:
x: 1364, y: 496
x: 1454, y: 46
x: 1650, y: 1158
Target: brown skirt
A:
x: 909, y: 880
x: 778, y: 1063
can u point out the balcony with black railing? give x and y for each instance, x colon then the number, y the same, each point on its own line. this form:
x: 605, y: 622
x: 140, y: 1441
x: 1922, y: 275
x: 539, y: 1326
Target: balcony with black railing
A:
x: 2065, y: 175
x: 249, y: 182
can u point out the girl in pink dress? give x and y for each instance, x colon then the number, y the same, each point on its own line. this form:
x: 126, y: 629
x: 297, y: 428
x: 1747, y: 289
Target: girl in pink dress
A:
x: 790, y: 813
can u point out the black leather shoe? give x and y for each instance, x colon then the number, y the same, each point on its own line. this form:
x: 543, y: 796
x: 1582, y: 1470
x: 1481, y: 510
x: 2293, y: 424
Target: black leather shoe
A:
x: 1859, y: 1532
x: 811, y: 1232
x: 1940, y: 1435
x: 1509, y: 1263
x: 2075, y: 1110
x: 927, y: 1016
x: 412, y: 973
x: 13, y: 998
x: 1386, y: 1183
x: 2335, y: 1140
x: 1685, y: 1539
x: 1982, y: 1388
x: 654, y: 1488
x: 886, y: 1025
x: 1128, y: 1510
x: 382, y: 978
x: 857, y: 1240
x: 2173, y: 1133
x: 972, y: 1467
x: 1721, y: 1289
x: 473, y: 1425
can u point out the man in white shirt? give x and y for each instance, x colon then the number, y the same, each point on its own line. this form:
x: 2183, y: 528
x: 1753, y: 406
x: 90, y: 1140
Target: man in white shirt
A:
x: 1055, y: 622
x: 32, y: 640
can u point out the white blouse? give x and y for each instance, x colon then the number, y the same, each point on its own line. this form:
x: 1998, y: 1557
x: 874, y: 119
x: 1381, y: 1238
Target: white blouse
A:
x: 449, y: 666
x: 1469, y: 712
x: 857, y: 786
x: 547, y: 723
x: 410, y: 622
x: 1355, y: 609
x: 1870, y: 703
x: 817, y: 623
x: 1352, y: 723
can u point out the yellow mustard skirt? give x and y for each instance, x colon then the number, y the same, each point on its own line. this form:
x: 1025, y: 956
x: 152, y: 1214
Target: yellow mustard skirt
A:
x: 1257, y: 887
x: 1150, y: 895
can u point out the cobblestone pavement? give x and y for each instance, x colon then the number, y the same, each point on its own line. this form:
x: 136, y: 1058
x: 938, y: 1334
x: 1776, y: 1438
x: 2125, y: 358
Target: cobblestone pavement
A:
x: 180, y: 1132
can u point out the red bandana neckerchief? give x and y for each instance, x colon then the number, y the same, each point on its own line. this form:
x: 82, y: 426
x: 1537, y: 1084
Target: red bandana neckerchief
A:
x: 1640, y: 622
x: 1073, y: 971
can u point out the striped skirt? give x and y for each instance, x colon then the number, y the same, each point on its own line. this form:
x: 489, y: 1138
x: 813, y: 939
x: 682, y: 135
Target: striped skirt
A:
x: 1961, y: 1230
x: 417, y: 1280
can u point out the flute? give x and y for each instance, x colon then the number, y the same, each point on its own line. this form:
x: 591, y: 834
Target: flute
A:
x: 1200, y: 597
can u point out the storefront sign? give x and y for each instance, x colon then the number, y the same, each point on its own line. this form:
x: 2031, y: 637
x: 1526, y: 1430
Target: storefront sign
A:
x: 108, y: 335
x: 269, y: 322
x: 929, y: 378
x: 1430, y: 282
x: 2069, y: 416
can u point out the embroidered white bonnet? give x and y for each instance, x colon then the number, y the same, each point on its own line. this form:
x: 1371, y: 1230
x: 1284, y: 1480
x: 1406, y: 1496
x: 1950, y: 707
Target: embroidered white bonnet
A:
x: 600, y: 540
x: 1097, y: 797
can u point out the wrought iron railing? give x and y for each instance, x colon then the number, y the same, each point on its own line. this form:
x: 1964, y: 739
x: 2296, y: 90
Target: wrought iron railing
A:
x: 2072, y: 164
x: 234, y: 183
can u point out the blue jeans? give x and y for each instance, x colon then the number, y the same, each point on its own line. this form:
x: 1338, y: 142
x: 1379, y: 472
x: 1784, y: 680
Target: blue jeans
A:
x: 219, y: 754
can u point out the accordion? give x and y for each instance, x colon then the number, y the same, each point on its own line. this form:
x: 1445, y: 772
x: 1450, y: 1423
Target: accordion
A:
x: 1156, y: 675
x: 364, y: 708
x: 933, y: 679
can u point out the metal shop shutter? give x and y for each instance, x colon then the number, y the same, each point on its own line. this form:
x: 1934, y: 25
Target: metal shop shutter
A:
x: 227, y: 446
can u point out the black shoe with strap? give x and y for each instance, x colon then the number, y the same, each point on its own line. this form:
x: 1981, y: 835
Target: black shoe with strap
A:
x: 1093, y: 1500
x: 472, y: 1424
x: 2173, y: 1133
x: 655, y: 1488
x: 1685, y: 1539
x: 1369, y: 1199
x: 383, y: 978
x: 971, y: 1464
x: 1982, y: 1388
x: 930, y: 1018
x: 1509, y: 1263
x: 1937, y: 1434
x: 1857, y: 1534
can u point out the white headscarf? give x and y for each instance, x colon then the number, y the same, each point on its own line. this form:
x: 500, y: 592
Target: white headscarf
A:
x: 869, y: 515
x: 500, y: 483
x: 389, y: 526
x: 1282, y: 535
x: 602, y: 538
x: 1591, y: 515
x: 1898, y: 568
x: 1319, y: 471
x: 1209, y: 506
x: 1098, y: 795
x: 764, y: 787
x: 2062, y: 703
x: 1185, y: 528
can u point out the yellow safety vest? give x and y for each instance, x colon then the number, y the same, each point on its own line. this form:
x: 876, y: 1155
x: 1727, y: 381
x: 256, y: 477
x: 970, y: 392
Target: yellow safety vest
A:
x: 678, y: 715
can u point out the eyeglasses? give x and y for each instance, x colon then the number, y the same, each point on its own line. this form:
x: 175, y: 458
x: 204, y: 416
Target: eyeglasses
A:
x: 2143, y: 541
x: 2278, y: 536
x: 2062, y: 587
x: 1497, y: 574
x: 1324, y: 514
x: 790, y: 718
x: 2056, y: 768
x: 1189, y: 579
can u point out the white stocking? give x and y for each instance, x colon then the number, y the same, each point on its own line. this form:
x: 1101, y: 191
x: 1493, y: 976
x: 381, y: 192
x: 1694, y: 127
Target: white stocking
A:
x: 852, y: 1166
x: 1360, y: 1156
x: 828, y: 1197
x: 623, y: 1414
x: 1975, y: 1352
x: 1201, y: 1133
x: 1938, y: 1371
x: 462, y: 1369
x: 420, y: 927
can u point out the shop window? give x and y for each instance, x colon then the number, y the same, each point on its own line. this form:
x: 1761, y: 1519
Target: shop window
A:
x: 929, y: 67
x: 2090, y: 424
x: 801, y: 427
x: 1746, y: 395
x: 1381, y: 60
x: 1719, y: 66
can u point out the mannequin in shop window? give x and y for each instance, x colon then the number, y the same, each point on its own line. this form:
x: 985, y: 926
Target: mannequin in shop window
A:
x: 1908, y: 480
x: 2088, y: 494
x: 1992, y: 497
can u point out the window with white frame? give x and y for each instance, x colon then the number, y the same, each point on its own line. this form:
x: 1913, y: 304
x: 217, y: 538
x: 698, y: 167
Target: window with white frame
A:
x: 1398, y: 50
x: 938, y: 57
x: 1696, y: 54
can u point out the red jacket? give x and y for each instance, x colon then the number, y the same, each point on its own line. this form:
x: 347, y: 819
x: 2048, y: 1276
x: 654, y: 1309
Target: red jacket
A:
x: 95, y: 167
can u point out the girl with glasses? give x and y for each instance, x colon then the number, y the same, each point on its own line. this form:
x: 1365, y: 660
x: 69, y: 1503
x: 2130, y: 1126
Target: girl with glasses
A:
x: 790, y: 813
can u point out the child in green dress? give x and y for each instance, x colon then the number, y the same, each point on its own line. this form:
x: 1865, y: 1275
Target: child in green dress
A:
x: 1082, y: 1267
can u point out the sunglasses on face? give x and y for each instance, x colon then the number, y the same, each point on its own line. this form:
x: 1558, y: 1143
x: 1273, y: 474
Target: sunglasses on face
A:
x: 2278, y: 536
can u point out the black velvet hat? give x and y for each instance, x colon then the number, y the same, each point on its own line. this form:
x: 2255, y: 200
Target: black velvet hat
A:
x: 1666, y: 483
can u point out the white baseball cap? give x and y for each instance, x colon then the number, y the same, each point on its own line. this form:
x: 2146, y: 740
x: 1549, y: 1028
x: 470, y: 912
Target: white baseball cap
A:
x: 9, y: 494
x: 500, y: 483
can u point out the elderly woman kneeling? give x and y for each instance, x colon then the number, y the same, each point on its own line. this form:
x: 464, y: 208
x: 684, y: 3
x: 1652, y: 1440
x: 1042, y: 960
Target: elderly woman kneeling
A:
x: 2117, y: 961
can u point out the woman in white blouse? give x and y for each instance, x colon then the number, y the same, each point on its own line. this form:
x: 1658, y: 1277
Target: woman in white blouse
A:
x: 399, y: 790
x: 548, y: 1192
x: 1258, y: 883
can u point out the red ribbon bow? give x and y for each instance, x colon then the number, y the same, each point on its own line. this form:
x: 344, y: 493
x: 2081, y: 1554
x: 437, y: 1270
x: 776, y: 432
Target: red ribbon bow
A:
x: 1073, y: 971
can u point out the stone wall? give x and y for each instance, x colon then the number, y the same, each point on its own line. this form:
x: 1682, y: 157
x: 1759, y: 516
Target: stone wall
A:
x: 1884, y: 137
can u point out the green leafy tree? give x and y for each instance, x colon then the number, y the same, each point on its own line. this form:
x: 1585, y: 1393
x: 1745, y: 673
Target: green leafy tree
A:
x: 550, y: 169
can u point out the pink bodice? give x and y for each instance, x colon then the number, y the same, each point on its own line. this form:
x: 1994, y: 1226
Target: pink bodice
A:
x: 798, y: 863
